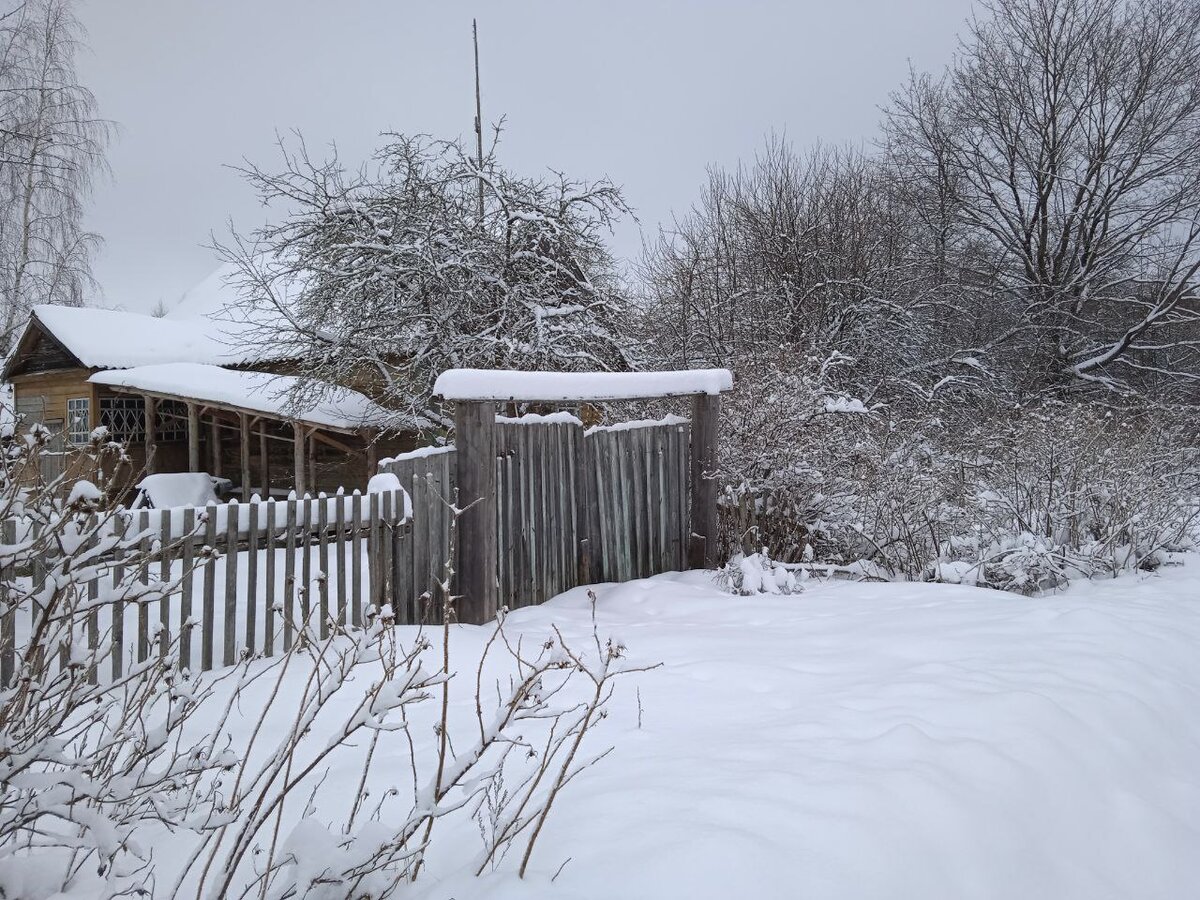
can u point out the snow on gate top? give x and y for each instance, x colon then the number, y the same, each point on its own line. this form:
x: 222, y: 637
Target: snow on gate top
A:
x: 501, y: 384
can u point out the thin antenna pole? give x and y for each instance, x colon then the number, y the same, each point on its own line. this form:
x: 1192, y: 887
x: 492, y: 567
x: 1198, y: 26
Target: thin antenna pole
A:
x: 478, y: 118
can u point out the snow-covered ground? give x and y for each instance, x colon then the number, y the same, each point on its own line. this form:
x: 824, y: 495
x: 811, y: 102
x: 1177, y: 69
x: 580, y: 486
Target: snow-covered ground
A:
x: 859, y: 740
x: 888, y: 741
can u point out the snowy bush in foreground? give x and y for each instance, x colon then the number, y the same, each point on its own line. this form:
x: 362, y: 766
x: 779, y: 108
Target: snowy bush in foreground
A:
x: 96, y: 772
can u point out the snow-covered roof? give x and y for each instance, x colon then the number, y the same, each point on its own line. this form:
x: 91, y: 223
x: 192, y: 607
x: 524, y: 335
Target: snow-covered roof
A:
x: 109, y: 338
x: 208, y: 326
x: 258, y: 392
x: 502, y: 385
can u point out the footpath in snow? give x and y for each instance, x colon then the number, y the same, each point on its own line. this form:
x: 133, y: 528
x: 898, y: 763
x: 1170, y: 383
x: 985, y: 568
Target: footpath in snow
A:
x: 886, y: 741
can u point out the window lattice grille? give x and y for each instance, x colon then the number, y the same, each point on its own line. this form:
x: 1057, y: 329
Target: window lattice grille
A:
x: 79, y: 419
x: 125, y: 419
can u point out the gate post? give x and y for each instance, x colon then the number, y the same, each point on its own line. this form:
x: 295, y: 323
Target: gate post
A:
x: 702, y: 540
x: 475, y: 463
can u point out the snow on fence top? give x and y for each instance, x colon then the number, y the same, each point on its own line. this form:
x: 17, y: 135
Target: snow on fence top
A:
x: 260, y: 392
x: 502, y: 385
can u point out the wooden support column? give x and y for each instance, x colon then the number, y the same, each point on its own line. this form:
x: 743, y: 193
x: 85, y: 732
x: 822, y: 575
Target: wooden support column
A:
x: 475, y: 566
x: 299, y: 440
x: 193, y: 437
x: 151, y: 436
x: 244, y: 454
x: 264, y: 459
x: 702, y: 543
x: 310, y: 452
x: 214, y: 435
x: 372, y: 454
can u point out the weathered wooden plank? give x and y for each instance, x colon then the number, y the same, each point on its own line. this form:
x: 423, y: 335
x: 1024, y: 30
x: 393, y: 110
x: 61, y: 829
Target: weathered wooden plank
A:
x: 648, y: 502
x: 120, y: 524
x: 304, y: 512
x: 229, y: 626
x: 624, y: 480
x: 475, y: 451
x: 422, y: 551
x: 702, y: 550
x: 145, y: 547
x: 503, y: 559
x: 374, y: 539
x: 208, y: 626
x: 356, y: 604
x: 289, y: 574
x: 397, y: 579
x: 683, y: 460
x: 164, y: 576
x: 323, y: 562
x: 340, y: 555
x: 599, y: 475
x: 187, y: 559
x: 254, y: 511
x: 269, y: 579
x: 386, y: 502
x: 663, y: 498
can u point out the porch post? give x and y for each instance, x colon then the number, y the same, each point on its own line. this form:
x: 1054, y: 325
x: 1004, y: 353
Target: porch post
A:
x: 475, y: 565
x: 151, y: 438
x: 702, y: 543
x: 193, y: 438
x: 215, y: 440
x: 299, y: 439
x: 310, y: 452
x: 244, y: 453
x: 372, y: 453
x: 264, y: 459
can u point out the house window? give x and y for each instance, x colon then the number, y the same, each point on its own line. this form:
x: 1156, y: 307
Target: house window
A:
x: 79, y: 420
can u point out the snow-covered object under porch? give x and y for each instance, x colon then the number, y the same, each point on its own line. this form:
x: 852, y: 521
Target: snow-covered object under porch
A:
x: 260, y: 392
x: 504, y: 385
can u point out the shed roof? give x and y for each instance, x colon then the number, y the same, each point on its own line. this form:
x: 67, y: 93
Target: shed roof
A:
x: 261, y: 393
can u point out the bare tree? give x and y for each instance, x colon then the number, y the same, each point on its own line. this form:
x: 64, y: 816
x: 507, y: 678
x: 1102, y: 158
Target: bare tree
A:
x: 51, y: 145
x: 388, y: 274
x: 1065, y: 142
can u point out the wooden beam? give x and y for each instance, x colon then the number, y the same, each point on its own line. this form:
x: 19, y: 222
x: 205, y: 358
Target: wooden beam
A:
x: 151, y: 435
x: 298, y: 442
x: 319, y: 435
x: 244, y: 457
x: 475, y: 567
x: 702, y: 543
x: 193, y: 433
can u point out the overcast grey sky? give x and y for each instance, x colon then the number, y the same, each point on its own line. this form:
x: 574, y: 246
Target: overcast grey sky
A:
x: 648, y: 93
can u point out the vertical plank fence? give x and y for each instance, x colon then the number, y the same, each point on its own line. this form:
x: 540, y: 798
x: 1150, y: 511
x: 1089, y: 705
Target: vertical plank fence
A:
x: 571, y: 506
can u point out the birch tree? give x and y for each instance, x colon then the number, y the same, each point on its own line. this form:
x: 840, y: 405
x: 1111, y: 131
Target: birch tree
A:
x: 52, y: 144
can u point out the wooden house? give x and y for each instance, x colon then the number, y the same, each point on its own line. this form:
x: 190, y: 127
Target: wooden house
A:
x: 185, y: 393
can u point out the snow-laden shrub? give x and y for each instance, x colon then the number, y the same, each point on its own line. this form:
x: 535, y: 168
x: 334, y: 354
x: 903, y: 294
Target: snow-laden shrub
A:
x: 757, y: 573
x: 1012, y: 498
